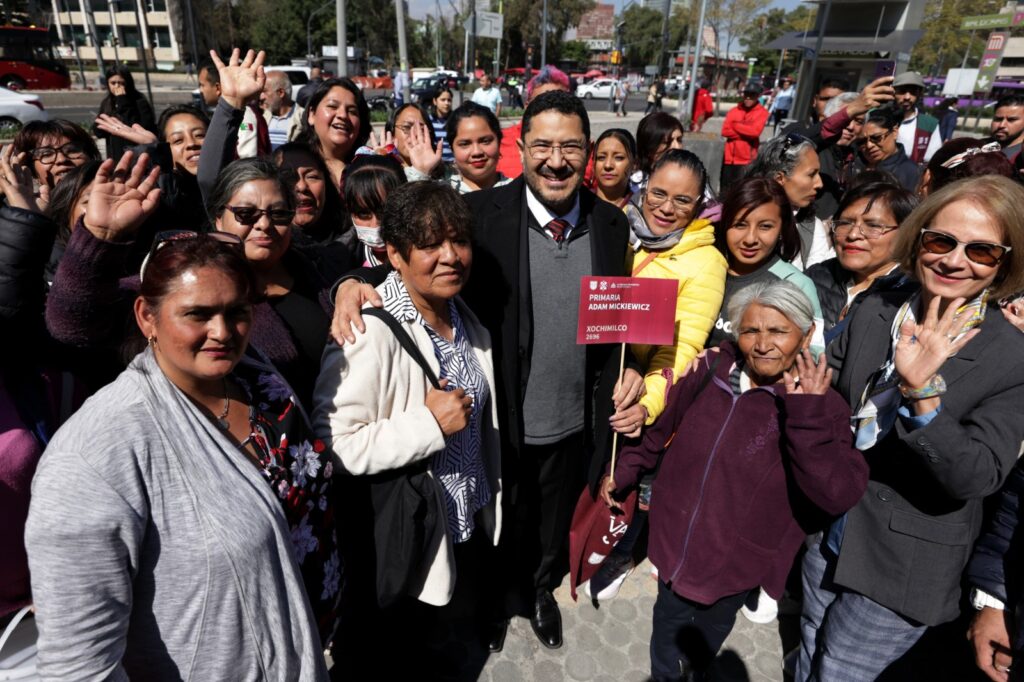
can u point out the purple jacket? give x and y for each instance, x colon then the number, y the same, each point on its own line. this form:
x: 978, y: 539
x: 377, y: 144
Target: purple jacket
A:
x: 743, y: 482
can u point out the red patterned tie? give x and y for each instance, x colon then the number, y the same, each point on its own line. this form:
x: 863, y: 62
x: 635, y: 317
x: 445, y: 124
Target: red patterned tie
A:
x: 557, y: 228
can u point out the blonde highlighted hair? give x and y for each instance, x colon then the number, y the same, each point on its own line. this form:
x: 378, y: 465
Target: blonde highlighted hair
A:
x: 1000, y: 198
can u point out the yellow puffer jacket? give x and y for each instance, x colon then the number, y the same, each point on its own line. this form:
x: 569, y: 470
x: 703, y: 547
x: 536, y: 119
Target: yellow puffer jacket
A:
x: 700, y: 269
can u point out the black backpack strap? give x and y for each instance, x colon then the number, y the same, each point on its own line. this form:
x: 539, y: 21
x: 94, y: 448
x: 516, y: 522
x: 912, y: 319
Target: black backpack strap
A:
x: 405, y: 341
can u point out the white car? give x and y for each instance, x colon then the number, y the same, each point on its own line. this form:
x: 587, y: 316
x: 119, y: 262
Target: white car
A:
x: 600, y: 88
x: 17, y: 109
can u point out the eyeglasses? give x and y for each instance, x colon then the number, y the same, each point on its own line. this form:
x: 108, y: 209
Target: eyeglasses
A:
x: 250, y: 215
x: 162, y: 239
x: 877, y: 138
x: 982, y: 253
x: 656, y: 198
x: 406, y: 127
x: 573, y: 151
x: 871, y: 229
x: 72, y: 151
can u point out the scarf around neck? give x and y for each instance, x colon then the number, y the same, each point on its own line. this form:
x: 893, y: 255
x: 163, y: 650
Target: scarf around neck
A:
x: 648, y: 239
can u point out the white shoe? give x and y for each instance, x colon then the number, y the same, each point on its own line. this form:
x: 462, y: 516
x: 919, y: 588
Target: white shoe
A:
x: 767, y: 609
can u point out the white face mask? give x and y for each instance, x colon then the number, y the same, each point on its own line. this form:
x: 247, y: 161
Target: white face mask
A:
x: 369, y: 235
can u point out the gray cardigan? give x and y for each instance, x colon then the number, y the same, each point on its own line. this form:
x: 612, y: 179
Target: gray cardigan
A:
x: 157, y: 550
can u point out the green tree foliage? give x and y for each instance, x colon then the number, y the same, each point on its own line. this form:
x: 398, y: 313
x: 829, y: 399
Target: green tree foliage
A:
x: 773, y: 24
x: 577, y: 51
x: 641, y: 35
x: 523, y: 26
x: 943, y: 44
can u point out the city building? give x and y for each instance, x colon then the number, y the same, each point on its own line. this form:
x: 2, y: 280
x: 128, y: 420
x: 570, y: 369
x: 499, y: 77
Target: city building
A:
x: 121, y: 29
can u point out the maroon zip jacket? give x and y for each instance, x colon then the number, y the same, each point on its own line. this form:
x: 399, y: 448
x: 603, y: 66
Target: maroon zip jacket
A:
x: 743, y: 482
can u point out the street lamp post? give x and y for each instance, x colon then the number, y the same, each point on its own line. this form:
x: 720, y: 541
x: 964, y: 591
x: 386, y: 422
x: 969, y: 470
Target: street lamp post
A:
x: 309, y: 30
x: 544, y: 36
x: 339, y: 16
x: 688, y: 114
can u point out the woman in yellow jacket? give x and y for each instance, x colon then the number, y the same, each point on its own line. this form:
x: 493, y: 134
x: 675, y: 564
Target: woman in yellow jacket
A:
x: 671, y: 242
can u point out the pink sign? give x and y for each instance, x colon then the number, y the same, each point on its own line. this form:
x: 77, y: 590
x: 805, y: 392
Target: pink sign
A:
x: 627, y: 310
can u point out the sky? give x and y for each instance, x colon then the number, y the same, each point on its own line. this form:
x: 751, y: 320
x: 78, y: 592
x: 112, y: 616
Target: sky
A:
x: 421, y: 8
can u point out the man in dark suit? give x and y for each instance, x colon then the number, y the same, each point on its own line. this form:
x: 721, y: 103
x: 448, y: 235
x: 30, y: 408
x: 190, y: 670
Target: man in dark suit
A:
x: 533, y: 240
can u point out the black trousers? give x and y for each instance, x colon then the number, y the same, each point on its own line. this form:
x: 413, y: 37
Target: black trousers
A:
x: 689, y: 633
x: 731, y: 174
x: 549, y: 483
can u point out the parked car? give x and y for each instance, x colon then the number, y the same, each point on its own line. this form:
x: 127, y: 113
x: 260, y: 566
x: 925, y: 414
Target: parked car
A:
x: 600, y: 88
x: 17, y: 109
x: 422, y: 89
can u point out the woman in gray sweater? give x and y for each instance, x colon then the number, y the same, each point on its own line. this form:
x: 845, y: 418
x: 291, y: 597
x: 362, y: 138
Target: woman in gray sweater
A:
x: 180, y: 522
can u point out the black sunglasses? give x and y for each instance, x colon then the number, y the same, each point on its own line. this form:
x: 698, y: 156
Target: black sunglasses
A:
x: 162, y: 239
x: 250, y: 215
x: 982, y: 253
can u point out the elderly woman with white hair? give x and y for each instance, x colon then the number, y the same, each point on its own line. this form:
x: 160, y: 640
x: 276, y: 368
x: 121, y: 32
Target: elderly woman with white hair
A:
x: 767, y: 454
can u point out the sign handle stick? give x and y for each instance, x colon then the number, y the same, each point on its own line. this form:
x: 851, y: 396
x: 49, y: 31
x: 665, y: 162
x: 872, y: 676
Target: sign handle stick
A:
x: 615, y: 434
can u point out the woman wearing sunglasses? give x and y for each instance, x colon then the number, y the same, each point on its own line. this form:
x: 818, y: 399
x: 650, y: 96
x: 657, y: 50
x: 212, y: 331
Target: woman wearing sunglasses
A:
x: 250, y: 201
x: 180, y: 521
x: 936, y: 393
x: 880, y: 150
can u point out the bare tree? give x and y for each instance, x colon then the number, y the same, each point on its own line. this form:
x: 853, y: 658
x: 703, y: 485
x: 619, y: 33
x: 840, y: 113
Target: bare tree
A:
x: 731, y: 20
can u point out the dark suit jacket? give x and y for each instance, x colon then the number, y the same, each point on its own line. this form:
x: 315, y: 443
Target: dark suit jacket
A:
x: 499, y: 292
x: 908, y: 540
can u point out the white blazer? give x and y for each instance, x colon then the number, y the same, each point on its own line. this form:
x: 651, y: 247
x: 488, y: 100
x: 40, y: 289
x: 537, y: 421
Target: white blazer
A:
x: 369, y: 407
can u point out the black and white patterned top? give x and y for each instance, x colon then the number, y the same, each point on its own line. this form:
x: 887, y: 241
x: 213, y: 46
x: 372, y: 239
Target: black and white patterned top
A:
x: 460, y: 466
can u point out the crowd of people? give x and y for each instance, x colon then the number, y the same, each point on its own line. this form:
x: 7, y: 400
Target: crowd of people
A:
x: 281, y: 389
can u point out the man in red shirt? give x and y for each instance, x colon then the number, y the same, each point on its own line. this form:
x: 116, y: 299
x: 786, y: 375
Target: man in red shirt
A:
x: 742, y: 132
x: 703, y: 107
x: 549, y: 78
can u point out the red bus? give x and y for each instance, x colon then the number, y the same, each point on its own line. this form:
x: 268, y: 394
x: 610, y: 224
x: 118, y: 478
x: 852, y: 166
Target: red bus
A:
x: 27, y: 60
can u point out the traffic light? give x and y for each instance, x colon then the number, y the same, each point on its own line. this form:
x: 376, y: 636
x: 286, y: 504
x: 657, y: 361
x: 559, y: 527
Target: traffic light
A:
x: 616, y: 57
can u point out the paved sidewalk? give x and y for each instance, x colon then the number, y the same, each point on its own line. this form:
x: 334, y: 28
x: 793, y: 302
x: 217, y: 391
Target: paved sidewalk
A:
x: 610, y: 644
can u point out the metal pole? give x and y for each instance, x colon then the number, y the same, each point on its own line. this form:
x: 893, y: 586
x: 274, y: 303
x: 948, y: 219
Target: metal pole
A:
x: 497, y: 52
x: 114, y: 38
x: 142, y: 54
x: 90, y: 21
x: 804, y: 90
x: 970, y: 41
x: 698, y: 54
x: 403, y: 55
x: 666, y: 5
x: 74, y: 44
x: 343, y: 37
x: 686, y: 67
x: 472, y: 42
x: 544, y: 36
x: 192, y: 31
x: 309, y: 29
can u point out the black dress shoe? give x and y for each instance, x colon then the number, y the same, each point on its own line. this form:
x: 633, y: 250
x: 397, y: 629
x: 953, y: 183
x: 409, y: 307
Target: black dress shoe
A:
x: 547, y: 621
x: 496, y: 635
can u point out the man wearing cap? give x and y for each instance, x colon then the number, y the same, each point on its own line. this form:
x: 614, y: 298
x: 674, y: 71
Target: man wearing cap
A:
x: 742, y: 132
x: 919, y: 132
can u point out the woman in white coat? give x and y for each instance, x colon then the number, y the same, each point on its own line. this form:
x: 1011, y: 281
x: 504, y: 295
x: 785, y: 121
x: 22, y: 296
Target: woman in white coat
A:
x: 376, y: 408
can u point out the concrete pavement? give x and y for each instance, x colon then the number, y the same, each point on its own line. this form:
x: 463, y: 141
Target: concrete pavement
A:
x: 610, y: 644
